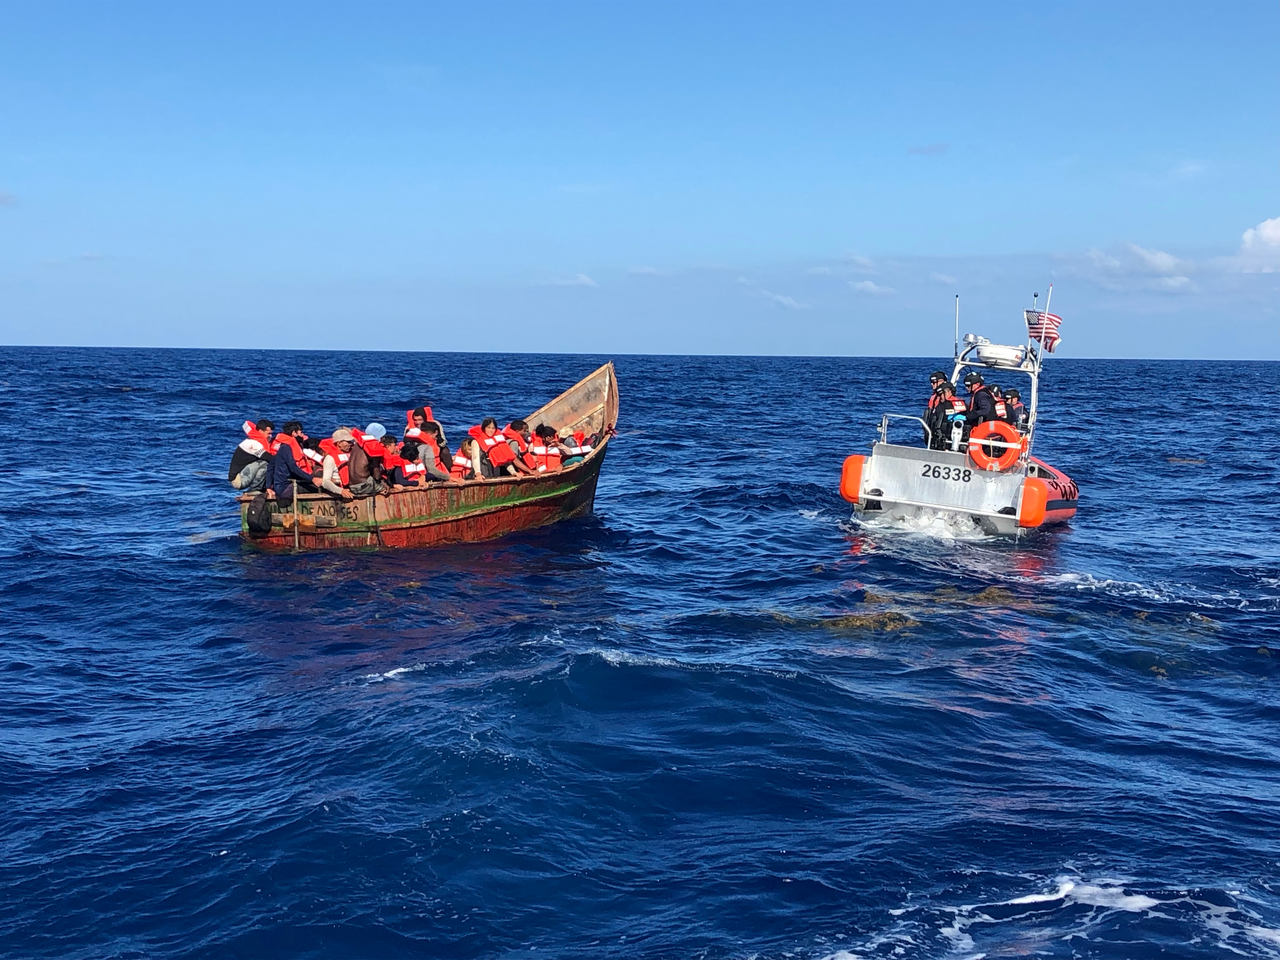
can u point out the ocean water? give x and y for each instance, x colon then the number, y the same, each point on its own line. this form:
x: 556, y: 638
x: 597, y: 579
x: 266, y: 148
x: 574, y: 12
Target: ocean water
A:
x: 717, y: 719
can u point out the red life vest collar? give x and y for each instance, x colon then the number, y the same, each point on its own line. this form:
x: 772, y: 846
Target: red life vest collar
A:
x: 514, y: 435
x: 408, y: 416
x: 295, y: 449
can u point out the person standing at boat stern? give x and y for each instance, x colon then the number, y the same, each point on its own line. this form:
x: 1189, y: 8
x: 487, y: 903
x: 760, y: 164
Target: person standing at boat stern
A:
x: 942, y: 419
x: 982, y: 405
x: 1017, y: 409
x: 936, y: 379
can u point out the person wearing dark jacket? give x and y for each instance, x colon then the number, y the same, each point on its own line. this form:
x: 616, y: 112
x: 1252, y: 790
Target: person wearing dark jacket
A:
x: 940, y: 417
x: 284, y: 470
x: 982, y: 405
x: 1017, y: 409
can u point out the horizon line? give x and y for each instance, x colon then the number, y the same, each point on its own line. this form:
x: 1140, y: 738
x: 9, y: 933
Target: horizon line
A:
x: 585, y: 353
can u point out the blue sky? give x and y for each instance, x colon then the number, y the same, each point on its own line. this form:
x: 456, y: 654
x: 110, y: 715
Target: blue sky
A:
x: 808, y: 178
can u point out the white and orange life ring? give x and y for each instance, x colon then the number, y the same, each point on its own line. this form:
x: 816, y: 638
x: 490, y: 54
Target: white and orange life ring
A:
x: 995, y: 429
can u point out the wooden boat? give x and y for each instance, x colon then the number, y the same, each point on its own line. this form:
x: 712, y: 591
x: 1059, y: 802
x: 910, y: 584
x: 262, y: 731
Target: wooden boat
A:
x: 451, y: 512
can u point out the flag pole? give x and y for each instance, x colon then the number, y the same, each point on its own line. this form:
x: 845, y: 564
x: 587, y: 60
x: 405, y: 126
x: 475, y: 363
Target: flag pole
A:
x: 1048, y: 298
x: 1035, y: 298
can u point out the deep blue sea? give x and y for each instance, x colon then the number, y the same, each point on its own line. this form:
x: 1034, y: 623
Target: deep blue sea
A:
x: 716, y: 720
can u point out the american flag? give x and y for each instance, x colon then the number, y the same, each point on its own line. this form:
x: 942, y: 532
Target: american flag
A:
x: 1044, y: 327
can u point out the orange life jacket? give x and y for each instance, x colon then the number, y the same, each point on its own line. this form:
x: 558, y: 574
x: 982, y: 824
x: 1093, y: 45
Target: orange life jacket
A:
x: 343, y: 460
x: 315, y: 460
x: 415, y: 474
x: 408, y: 416
x: 579, y: 447
x: 461, y: 469
x: 258, y: 436
x: 369, y: 444
x: 412, y: 471
x: 515, y: 436
x: 541, y: 457
x: 1001, y: 410
x: 424, y: 439
x: 494, y: 447
x: 295, y: 448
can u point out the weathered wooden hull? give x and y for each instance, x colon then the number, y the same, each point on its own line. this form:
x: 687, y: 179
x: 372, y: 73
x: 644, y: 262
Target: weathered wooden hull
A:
x: 442, y: 513
x: 453, y: 513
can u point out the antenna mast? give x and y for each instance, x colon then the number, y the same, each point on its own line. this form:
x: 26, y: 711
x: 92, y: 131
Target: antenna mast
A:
x: 956, y: 355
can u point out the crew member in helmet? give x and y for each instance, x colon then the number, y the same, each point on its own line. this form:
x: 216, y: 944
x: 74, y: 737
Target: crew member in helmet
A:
x: 1002, y: 408
x: 982, y: 405
x: 945, y: 412
x: 1017, y: 409
x: 935, y: 379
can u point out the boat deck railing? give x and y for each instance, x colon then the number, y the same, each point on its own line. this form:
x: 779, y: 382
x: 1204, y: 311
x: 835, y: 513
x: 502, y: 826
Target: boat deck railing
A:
x: 884, y: 427
x: 964, y: 445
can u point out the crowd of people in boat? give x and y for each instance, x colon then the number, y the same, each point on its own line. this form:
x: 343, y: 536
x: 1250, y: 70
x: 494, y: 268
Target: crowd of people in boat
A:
x: 950, y: 418
x: 352, y: 463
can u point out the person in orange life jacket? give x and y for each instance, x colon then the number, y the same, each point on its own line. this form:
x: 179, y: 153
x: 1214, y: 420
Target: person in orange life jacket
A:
x: 982, y: 405
x: 337, y: 463
x: 399, y: 473
x: 431, y: 449
x: 576, y: 445
x: 365, y: 469
x: 467, y: 462
x: 947, y: 410
x: 545, y: 453
x: 290, y: 464
x: 417, y: 420
x: 497, y: 458
x: 518, y: 437
x: 1017, y: 409
x: 412, y: 471
x: 314, y: 454
x: 1002, y: 408
x: 250, y: 467
x: 935, y: 378
x: 430, y: 452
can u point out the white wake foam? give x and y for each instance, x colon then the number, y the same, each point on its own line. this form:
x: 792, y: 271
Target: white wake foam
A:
x: 1054, y: 915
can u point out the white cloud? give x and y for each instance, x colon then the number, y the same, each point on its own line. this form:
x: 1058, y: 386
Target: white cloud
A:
x: 855, y: 262
x: 1156, y: 261
x: 791, y: 303
x: 1186, y: 170
x: 577, y: 280
x: 644, y: 271
x: 1260, y: 248
x: 870, y: 287
x: 1138, y: 268
x: 1265, y: 235
x: 943, y: 278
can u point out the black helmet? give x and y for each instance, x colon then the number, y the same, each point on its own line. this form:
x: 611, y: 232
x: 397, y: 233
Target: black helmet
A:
x: 1012, y: 393
x: 937, y: 375
x: 973, y: 376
